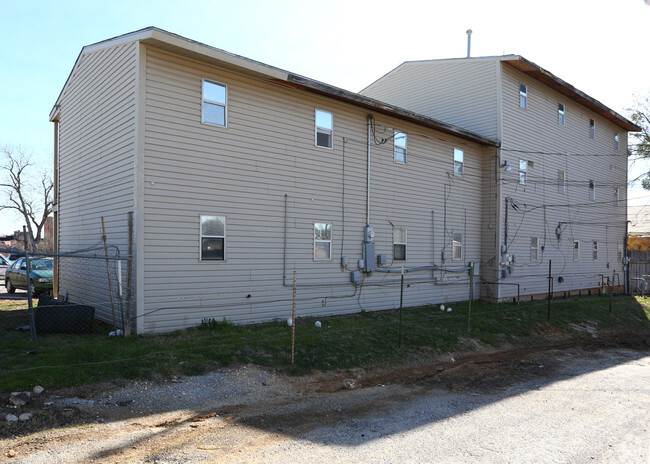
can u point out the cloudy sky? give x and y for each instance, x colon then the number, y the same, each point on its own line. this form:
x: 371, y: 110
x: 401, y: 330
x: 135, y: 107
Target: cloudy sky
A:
x: 599, y: 46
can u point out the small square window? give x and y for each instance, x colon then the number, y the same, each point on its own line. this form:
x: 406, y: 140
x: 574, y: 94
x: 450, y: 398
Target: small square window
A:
x: 400, y: 147
x: 523, y: 172
x: 214, y: 103
x: 324, y: 129
x: 534, y: 248
x: 523, y: 96
x: 458, y: 161
x: 616, y: 142
x: 399, y: 244
x: 457, y: 246
x: 592, y: 129
x: 322, y: 241
x: 213, y: 236
x: 594, y: 248
x: 576, y: 250
x: 592, y: 190
x: 561, y: 182
x: 560, y: 114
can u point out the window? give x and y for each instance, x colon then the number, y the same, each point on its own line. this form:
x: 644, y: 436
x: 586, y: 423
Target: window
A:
x: 592, y: 190
x: 214, y: 103
x: 213, y: 235
x: 458, y: 161
x: 592, y: 129
x: 523, y: 96
x: 399, y: 244
x: 523, y: 171
x: 617, y: 198
x: 619, y: 252
x: 560, y: 114
x: 324, y: 129
x: 576, y: 250
x: 400, y: 147
x: 594, y: 249
x: 561, y: 182
x: 616, y: 141
x: 322, y: 241
x: 534, y: 248
x: 457, y: 246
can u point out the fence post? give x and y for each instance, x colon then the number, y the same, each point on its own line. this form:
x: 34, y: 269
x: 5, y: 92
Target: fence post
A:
x: 108, y: 273
x: 401, y: 303
x: 293, y: 322
x: 129, y: 274
x: 611, y: 291
x: 471, y: 295
x: 30, y: 303
x: 550, y: 282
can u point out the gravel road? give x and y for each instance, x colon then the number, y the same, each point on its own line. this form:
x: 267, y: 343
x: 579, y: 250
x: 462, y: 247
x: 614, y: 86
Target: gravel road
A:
x: 565, y: 405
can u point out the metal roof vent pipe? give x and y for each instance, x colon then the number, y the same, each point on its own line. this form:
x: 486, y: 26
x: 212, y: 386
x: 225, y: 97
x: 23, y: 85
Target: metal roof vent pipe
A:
x: 469, y: 42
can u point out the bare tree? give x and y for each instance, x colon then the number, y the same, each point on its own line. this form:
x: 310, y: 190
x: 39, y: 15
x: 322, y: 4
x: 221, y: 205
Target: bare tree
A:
x: 26, y: 190
x: 640, y: 141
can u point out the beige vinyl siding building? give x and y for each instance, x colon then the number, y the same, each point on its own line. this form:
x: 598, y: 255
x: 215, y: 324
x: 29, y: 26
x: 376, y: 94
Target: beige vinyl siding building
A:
x: 261, y: 175
x: 559, y: 177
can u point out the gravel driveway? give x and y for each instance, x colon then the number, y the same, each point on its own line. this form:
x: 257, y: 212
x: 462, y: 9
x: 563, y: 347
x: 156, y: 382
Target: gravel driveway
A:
x: 568, y: 404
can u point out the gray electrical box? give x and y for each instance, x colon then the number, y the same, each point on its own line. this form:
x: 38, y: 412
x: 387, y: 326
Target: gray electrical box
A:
x: 355, y: 277
x: 369, y: 256
x: 381, y: 260
x: 368, y: 234
x: 345, y: 261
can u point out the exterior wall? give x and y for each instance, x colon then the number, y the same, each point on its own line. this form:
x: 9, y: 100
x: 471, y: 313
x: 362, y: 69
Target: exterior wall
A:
x: 95, y: 168
x: 244, y: 171
x: 534, y: 134
x: 461, y: 92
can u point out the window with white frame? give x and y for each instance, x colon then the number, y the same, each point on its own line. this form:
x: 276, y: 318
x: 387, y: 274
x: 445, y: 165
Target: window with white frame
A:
x: 324, y: 129
x: 534, y: 248
x: 619, y: 252
x: 560, y: 114
x: 616, y: 142
x: 400, y: 147
x: 576, y: 250
x: 592, y: 129
x: 322, y: 241
x: 523, y: 96
x: 459, y: 162
x: 214, y: 103
x: 399, y: 244
x: 592, y: 190
x: 457, y: 246
x: 523, y: 172
x: 213, y: 237
x: 561, y: 182
x: 617, y: 197
x: 594, y: 249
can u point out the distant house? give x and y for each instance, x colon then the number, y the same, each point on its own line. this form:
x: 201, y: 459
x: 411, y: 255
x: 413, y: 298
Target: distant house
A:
x: 238, y: 174
x: 559, y: 177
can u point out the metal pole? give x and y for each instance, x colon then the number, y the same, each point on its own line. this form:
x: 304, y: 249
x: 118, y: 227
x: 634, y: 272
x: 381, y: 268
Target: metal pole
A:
x: 30, y: 303
x: 293, y: 322
x: 471, y: 294
x: 129, y: 274
x: 108, y: 273
x: 550, y: 282
x: 611, y: 291
x: 401, y: 302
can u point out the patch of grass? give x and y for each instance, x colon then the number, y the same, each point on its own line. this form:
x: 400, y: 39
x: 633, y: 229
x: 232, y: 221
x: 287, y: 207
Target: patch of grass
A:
x: 343, y: 342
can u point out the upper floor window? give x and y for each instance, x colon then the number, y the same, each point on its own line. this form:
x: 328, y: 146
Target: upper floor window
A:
x: 592, y: 190
x: 617, y: 197
x: 458, y: 161
x: 322, y: 241
x: 214, y: 103
x: 561, y: 181
x: 616, y: 142
x: 457, y: 246
x: 534, y: 248
x: 399, y: 244
x: 592, y: 129
x: 594, y: 249
x: 523, y: 172
x: 400, y: 147
x: 324, y: 129
x: 213, y: 237
x: 523, y: 96
x: 576, y: 250
x: 560, y: 114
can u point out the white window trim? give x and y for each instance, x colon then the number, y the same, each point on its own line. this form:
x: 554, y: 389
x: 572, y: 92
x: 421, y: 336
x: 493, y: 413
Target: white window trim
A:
x: 403, y: 136
x: 594, y: 250
x: 395, y: 242
x: 459, y: 172
x: 534, y: 248
x: 561, y: 114
x: 201, y: 237
x: 317, y: 127
x: 619, y: 252
x: 576, y: 250
x: 454, y: 246
x: 523, y: 94
x: 212, y: 102
x: 523, y: 180
x: 322, y: 241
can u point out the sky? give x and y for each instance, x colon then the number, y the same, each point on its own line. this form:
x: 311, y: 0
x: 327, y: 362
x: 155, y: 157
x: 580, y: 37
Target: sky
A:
x: 599, y: 46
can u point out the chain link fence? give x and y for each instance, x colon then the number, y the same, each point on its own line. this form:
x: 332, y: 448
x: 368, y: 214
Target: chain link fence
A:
x: 78, y: 292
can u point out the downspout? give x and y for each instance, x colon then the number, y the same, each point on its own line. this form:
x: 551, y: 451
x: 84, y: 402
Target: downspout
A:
x: 370, y: 117
x: 284, y: 254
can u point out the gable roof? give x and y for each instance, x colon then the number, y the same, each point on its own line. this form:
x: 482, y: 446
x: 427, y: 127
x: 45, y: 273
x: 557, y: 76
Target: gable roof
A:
x: 199, y: 51
x: 542, y: 75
